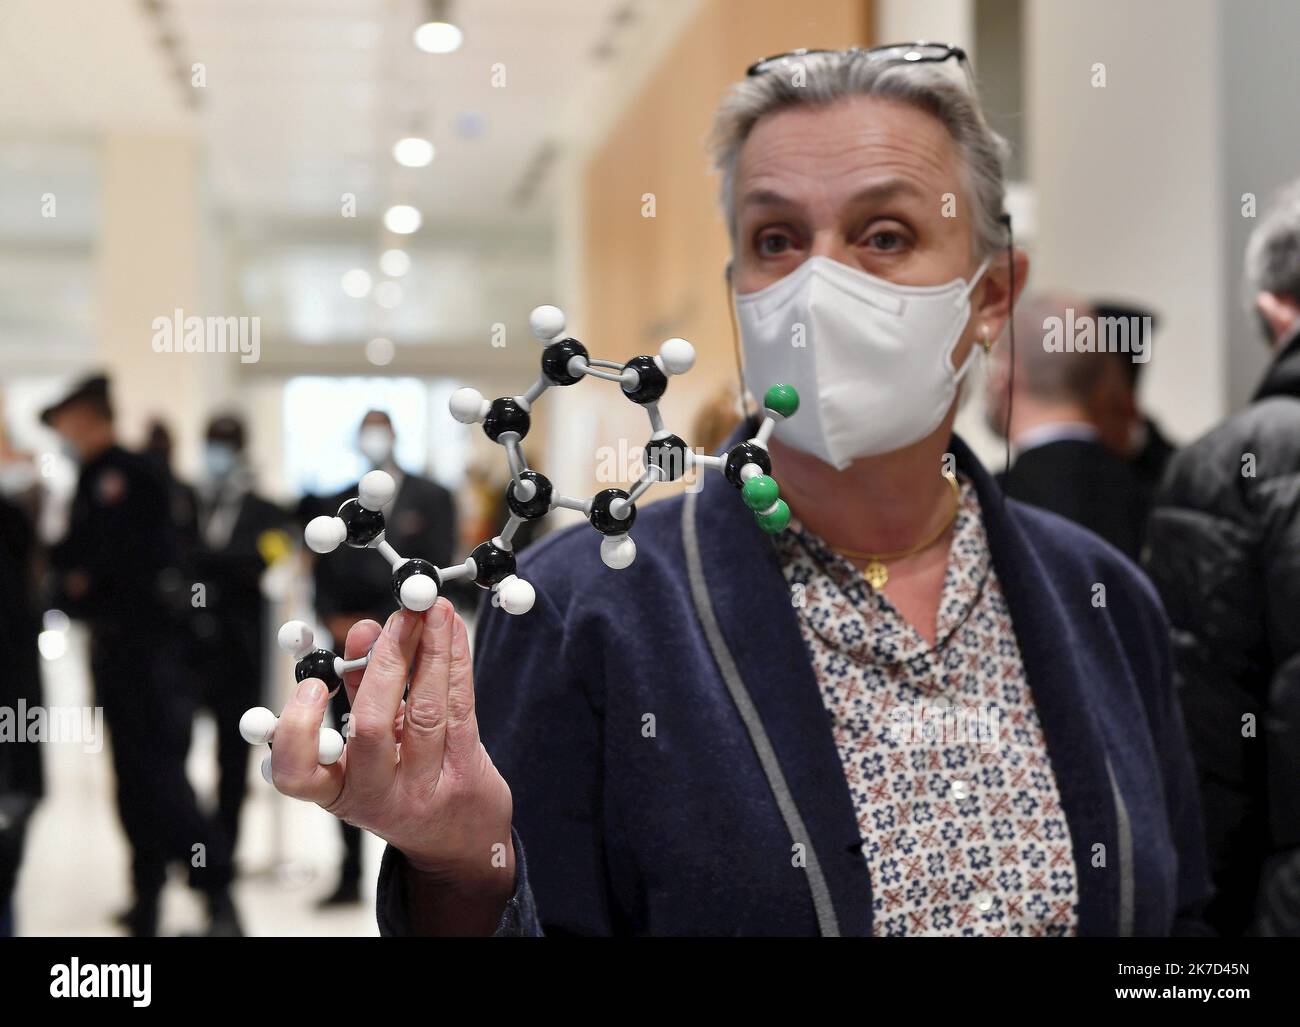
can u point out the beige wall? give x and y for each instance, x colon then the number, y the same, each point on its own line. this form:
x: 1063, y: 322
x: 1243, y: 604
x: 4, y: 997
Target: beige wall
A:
x: 642, y: 280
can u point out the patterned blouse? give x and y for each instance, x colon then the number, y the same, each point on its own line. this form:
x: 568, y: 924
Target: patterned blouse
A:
x: 957, y: 804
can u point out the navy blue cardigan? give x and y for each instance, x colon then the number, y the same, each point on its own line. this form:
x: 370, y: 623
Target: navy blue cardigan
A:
x: 670, y: 757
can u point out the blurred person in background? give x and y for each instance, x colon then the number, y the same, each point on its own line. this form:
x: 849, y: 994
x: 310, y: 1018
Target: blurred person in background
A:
x: 1061, y: 462
x: 119, y: 558
x: 181, y: 499
x: 774, y: 790
x: 21, y: 771
x: 353, y: 585
x: 239, y: 535
x: 1126, y: 429
x: 1225, y: 554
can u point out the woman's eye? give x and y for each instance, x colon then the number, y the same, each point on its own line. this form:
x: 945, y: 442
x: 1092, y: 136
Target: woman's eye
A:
x: 885, y: 240
x: 773, y: 243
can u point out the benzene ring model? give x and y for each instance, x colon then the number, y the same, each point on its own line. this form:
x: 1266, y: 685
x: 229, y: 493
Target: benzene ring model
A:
x: 359, y: 522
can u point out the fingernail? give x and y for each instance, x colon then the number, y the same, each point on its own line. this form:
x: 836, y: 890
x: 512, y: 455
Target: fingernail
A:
x: 403, y: 626
x: 309, y: 692
x: 438, y: 615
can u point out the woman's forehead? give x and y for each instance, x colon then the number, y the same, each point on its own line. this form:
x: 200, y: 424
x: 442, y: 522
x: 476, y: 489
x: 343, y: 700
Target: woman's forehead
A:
x: 856, y: 149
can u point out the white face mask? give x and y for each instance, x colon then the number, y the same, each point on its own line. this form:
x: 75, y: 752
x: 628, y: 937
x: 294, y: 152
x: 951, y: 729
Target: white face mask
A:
x: 872, y: 361
x: 220, y: 459
x: 376, y: 444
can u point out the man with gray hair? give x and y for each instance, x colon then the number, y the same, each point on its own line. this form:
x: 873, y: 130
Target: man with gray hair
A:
x: 1054, y: 398
x: 1225, y: 555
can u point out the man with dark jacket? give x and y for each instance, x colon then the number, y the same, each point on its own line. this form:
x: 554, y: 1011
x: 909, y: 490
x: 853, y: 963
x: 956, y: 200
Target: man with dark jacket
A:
x: 239, y: 534
x: 1225, y: 556
x: 1062, y: 463
x: 111, y: 570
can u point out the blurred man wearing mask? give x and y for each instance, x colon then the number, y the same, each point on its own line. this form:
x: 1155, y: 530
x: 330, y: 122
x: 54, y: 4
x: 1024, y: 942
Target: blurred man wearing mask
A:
x: 1062, y: 463
x: 109, y: 570
x: 239, y: 535
x: 352, y: 585
x: 1224, y: 553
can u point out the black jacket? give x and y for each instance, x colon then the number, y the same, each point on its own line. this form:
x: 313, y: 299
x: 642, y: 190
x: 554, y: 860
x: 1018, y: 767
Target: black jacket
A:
x: 1080, y: 480
x: 1225, y: 556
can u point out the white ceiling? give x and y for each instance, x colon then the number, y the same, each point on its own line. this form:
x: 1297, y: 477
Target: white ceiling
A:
x: 304, y: 98
x: 301, y: 103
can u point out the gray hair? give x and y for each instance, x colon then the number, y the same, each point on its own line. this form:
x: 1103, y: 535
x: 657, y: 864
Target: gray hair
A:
x: 1273, y: 253
x: 838, y: 75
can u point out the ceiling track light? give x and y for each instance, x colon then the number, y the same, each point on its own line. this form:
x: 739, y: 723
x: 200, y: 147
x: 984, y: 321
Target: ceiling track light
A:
x: 437, y: 34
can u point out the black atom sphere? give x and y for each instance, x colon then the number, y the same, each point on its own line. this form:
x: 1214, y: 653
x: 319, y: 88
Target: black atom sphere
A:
x: 319, y: 663
x: 668, y: 454
x: 364, y: 526
x: 506, y: 415
x: 742, y: 454
x: 653, y: 381
x: 555, y: 361
x: 533, y: 508
x: 410, y: 569
x: 604, y: 521
x: 492, y: 563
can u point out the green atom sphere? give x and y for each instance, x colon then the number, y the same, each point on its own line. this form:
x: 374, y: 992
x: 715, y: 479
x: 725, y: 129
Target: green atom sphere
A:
x: 776, y: 520
x: 782, y: 399
x: 760, y: 492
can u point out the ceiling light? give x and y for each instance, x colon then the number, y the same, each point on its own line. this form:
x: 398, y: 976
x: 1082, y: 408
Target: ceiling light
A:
x: 413, y: 152
x: 402, y: 219
x: 379, y: 352
x: 356, y: 283
x: 394, y: 263
x: 438, y: 37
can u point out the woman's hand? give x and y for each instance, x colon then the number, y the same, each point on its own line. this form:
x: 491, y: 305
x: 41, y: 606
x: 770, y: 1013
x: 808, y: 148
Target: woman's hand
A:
x: 413, y: 772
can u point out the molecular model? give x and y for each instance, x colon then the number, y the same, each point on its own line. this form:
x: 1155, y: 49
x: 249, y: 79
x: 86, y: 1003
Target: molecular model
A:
x: 359, y: 522
x: 416, y: 583
x: 257, y: 725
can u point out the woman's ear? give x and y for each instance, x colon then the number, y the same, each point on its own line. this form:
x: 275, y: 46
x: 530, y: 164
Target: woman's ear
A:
x: 995, y: 298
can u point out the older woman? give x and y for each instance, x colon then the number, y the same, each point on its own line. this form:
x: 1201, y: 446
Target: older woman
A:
x: 920, y: 710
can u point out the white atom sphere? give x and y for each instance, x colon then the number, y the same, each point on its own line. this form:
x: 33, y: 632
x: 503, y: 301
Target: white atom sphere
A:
x: 466, y: 405
x: 376, y: 490
x: 257, y: 726
x: 325, y: 534
x: 330, y: 747
x: 546, y: 322
x: 419, y: 592
x: 266, y: 771
x: 295, y: 638
x: 516, y: 594
x: 618, y: 552
x: 678, y: 356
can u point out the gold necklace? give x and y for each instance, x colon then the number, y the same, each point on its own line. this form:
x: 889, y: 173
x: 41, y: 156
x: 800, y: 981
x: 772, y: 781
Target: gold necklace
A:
x: 876, y: 573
